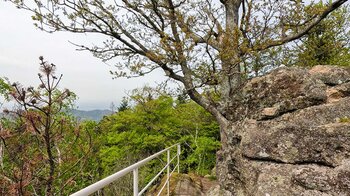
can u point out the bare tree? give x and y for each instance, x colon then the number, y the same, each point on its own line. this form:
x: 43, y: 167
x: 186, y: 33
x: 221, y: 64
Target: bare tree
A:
x: 205, y: 45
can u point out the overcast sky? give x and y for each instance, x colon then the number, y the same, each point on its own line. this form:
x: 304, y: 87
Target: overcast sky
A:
x: 21, y: 44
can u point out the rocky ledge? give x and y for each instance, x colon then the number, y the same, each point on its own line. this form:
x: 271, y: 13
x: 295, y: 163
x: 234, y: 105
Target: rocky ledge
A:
x: 293, y: 130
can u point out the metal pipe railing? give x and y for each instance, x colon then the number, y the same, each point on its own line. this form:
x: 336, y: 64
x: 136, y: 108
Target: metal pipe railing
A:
x: 134, y: 168
x: 155, y: 177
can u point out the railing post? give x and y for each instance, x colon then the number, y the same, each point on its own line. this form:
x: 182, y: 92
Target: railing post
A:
x: 136, y: 181
x: 168, y: 171
x: 178, y: 157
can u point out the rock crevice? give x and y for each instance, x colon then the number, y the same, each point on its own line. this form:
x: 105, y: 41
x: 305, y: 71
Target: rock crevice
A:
x: 276, y: 161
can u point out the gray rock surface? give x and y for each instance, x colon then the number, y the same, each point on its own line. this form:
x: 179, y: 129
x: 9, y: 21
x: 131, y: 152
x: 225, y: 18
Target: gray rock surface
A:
x: 290, y: 135
x: 330, y: 75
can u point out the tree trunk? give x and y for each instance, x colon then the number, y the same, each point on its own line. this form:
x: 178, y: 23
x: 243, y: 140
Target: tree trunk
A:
x: 229, y: 158
x: 230, y: 164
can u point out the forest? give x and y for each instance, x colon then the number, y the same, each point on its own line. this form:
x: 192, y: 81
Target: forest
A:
x: 45, y: 150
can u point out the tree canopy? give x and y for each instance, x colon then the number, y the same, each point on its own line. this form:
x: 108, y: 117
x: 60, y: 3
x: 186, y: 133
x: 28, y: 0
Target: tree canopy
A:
x: 207, y: 46
x: 150, y: 126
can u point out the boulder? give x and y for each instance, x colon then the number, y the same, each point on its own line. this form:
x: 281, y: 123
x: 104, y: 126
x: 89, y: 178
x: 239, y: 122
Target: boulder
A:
x: 289, y: 135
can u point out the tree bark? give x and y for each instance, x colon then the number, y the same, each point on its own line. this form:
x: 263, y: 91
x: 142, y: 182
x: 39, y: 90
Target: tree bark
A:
x: 231, y: 79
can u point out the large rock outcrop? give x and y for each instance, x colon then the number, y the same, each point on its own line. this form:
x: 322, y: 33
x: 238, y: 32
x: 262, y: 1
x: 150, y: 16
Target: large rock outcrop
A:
x: 290, y: 135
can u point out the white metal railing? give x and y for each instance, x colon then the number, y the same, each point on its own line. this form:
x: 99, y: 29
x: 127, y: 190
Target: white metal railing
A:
x: 134, y: 168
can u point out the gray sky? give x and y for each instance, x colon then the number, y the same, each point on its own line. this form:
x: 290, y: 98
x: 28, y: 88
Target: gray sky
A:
x: 21, y: 44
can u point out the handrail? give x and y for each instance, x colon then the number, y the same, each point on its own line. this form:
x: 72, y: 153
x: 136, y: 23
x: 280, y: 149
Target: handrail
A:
x: 134, y: 168
x: 157, y: 175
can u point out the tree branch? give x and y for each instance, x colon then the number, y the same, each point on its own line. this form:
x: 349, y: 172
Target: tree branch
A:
x: 290, y: 38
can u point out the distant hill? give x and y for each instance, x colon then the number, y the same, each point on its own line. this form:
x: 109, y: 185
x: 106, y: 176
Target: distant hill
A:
x: 95, y: 115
